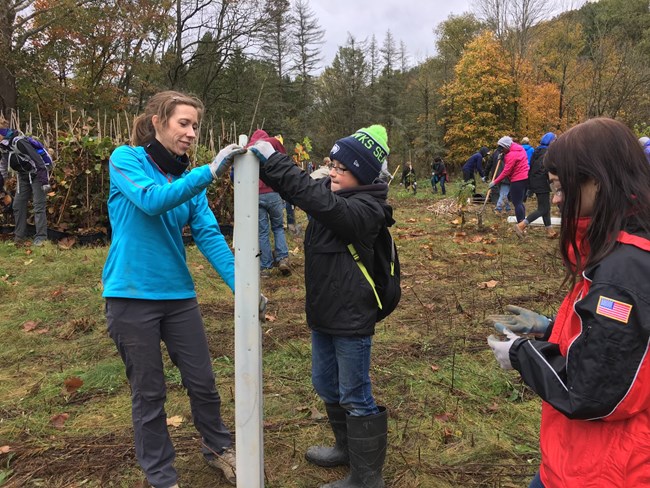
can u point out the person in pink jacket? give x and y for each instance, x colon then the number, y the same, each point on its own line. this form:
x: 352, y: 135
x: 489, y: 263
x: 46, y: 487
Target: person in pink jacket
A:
x: 516, y: 169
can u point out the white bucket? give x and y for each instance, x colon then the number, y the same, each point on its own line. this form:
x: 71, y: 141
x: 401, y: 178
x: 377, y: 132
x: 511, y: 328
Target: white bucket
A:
x: 554, y: 221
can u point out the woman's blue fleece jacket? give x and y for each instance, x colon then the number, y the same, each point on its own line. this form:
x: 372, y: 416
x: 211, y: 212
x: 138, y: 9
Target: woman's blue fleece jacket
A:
x: 148, y: 210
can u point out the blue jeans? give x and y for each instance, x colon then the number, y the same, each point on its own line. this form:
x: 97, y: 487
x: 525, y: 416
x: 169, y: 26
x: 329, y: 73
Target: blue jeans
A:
x: 536, y: 482
x: 340, y: 372
x: 502, y: 203
x: 271, y: 207
x: 439, y: 179
x: 291, y: 214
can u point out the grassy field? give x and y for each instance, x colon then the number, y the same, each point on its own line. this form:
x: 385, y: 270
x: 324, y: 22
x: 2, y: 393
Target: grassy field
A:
x: 456, y: 419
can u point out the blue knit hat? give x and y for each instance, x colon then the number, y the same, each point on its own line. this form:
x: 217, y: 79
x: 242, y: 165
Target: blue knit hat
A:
x: 363, y: 152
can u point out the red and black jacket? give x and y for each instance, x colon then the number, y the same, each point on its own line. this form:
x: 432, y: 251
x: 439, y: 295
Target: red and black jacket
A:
x: 594, y: 375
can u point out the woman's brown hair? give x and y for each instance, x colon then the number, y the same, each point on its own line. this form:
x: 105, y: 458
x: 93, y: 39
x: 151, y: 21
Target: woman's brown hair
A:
x: 163, y: 105
x: 607, y: 152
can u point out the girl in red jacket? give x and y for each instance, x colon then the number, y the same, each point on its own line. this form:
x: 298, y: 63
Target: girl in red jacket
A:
x: 591, y: 365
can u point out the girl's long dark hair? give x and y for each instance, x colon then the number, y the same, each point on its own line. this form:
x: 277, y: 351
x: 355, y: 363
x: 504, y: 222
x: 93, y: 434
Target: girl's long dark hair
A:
x: 608, y: 152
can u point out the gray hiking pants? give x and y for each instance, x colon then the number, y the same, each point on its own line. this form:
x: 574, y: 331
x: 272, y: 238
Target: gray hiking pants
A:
x: 137, y: 327
x: 25, y: 189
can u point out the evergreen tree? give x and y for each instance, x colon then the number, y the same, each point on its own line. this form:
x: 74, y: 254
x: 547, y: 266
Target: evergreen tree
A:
x: 342, y: 101
x: 308, y: 40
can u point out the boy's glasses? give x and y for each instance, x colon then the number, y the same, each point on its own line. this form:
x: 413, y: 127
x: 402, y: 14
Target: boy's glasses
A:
x: 339, y: 169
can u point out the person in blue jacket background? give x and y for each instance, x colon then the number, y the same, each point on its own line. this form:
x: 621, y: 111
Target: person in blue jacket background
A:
x: 525, y: 143
x: 149, y: 291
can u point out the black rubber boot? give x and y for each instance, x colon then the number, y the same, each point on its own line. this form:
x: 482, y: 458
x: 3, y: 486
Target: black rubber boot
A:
x: 329, y: 457
x: 367, y: 438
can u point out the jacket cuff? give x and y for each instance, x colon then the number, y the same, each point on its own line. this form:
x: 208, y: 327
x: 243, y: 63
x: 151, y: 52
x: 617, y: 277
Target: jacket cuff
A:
x: 548, y: 331
x: 514, y: 349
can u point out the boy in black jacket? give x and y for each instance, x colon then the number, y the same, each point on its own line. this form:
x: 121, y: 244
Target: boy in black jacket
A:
x: 349, y: 207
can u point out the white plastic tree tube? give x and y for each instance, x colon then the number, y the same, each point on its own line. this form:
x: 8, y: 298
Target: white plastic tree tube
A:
x: 248, y: 333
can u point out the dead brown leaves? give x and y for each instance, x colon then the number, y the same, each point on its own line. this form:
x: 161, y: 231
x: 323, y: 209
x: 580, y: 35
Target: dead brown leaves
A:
x: 314, y: 413
x: 33, y: 326
x: 464, y: 238
x: 175, y: 421
x: 58, y: 420
x: 488, y: 284
x: 71, y: 385
x: 67, y: 243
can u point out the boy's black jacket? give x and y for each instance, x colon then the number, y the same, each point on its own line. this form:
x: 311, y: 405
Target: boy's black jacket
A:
x: 339, y: 300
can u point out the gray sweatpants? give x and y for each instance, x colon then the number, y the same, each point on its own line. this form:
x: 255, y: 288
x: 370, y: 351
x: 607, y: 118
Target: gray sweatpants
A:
x: 137, y: 327
x: 28, y: 187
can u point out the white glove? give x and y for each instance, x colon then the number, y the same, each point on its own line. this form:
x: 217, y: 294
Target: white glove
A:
x: 263, y: 302
x: 491, y: 185
x: 223, y: 161
x: 501, y: 349
x: 263, y: 150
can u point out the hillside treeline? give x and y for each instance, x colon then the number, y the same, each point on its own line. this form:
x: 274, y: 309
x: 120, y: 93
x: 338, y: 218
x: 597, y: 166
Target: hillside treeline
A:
x: 521, y: 67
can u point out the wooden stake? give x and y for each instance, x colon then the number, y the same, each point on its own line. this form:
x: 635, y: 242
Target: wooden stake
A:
x: 257, y: 104
x: 487, y: 196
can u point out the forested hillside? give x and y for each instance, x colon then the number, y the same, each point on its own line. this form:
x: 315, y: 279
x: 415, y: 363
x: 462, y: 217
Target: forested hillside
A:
x: 508, y: 66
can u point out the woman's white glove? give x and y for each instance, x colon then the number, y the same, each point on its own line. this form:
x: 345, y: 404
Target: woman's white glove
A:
x: 501, y: 349
x: 224, y: 159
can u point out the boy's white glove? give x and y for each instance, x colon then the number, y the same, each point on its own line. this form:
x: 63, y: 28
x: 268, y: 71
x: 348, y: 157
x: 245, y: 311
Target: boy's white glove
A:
x: 224, y: 159
x: 263, y: 150
x: 501, y: 349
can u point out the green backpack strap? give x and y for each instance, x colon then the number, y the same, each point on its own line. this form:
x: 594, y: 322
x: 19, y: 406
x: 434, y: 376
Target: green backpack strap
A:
x: 364, y: 270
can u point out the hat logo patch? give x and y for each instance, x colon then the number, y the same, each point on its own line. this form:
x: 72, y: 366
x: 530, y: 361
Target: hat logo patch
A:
x: 335, y: 149
x: 356, y: 163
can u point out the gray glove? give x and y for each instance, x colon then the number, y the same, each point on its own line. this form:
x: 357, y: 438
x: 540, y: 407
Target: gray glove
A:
x: 491, y: 185
x: 263, y: 150
x: 523, y: 321
x: 501, y: 349
x: 223, y: 161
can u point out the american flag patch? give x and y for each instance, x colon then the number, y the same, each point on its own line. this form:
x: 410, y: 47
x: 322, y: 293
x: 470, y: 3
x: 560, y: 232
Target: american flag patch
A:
x: 614, y: 309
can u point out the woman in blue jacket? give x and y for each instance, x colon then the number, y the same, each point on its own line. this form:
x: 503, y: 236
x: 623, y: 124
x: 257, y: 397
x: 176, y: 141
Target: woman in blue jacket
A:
x: 149, y: 292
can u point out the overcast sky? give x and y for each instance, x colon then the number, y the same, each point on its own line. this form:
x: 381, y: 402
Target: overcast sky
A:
x: 408, y: 20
